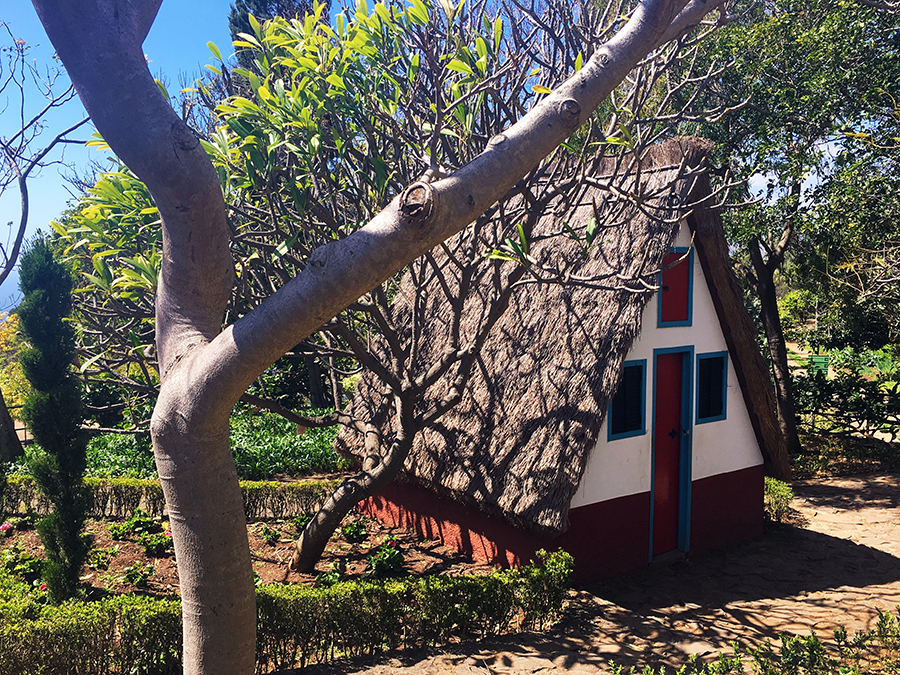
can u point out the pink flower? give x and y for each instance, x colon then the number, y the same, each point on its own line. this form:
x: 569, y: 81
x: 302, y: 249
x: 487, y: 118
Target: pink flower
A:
x: 168, y: 534
x: 42, y: 587
x: 5, y: 527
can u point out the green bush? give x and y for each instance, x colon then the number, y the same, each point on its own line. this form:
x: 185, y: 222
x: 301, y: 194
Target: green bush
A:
x: 157, y: 545
x: 296, y: 624
x: 777, y: 499
x: 266, y: 445
x: 301, y: 624
x: 118, y: 498
x: 138, y: 523
x: 354, y: 531
x: 120, y: 456
x: 386, y: 559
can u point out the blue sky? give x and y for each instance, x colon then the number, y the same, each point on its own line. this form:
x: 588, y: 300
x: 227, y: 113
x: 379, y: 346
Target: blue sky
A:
x: 175, y: 47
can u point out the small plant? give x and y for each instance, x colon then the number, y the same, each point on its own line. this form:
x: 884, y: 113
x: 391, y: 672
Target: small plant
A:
x: 157, y: 545
x: 100, y: 558
x: 269, y: 534
x: 6, y: 529
x: 22, y: 523
x: 354, y: 531
x: 139, y: 523
x: 21, y: 564
x: 777, y: 501
x: 386, y: 559
x: 138, y: 574
x: 331, y: 577
x: 301, y: 521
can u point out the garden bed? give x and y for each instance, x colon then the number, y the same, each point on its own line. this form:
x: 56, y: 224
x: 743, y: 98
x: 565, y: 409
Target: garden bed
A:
x: 123, y: 566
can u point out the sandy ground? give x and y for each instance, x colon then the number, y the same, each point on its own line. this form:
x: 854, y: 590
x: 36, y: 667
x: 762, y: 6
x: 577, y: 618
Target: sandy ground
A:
x: 834, y: 566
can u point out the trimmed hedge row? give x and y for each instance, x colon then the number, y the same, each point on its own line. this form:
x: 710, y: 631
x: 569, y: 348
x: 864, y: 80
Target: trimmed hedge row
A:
x: 118, y: 498
x: 296, y: 624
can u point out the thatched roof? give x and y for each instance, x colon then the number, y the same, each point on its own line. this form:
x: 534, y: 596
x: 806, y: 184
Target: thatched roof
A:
x: 518, y: 442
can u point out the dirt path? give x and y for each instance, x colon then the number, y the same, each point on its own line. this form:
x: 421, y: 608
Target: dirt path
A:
x: 835, y: 566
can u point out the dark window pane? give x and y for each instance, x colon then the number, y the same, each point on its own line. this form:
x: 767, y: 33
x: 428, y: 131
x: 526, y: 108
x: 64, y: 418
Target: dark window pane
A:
x: 710, y: 393
x: 626, y: 413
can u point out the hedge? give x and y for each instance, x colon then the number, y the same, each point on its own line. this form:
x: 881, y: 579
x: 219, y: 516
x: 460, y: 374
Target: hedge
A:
x: 297, y: 624
x: 119, y: 497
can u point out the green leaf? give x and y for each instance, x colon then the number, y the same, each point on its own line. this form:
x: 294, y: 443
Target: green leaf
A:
x: 481, y: 47
x: 254, y: 24
x: 215, y: 50
x: 591, y: 230
x: 383, y: 12
x: 162, y: 89
x: 498, y: 33
x: 285, y: 246
x: 335, y: 81
x: 418, y: 12
x: 579, y: 61
x: 460, y: 67
x: 522, y: 238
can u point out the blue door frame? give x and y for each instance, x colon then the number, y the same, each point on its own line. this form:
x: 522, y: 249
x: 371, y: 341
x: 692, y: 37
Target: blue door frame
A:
x: 685, y: 464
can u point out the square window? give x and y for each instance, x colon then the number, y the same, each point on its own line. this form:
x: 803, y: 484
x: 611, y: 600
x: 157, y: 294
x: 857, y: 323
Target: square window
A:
x: 627, y: 414
x: 712, y: 386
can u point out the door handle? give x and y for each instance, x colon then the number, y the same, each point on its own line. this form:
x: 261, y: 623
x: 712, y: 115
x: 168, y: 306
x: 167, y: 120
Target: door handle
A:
x: 673, y: 434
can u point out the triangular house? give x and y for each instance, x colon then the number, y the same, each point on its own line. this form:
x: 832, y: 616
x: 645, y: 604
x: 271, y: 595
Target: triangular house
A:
x: 620, y: 424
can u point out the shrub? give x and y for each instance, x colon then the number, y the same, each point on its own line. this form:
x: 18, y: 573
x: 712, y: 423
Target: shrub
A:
x: 100, y: 558
x: 266, y: 445
x: 157, y: 545
x: 122, y: 497
x: 20, y: 564
x: 120, y: 456
x: 269, y: 534
x: 354, y: 531
x: 386, y: 559
x: 53, y: 413
x: 138, y: 574
x: 139, y: 523
x: 296, y: 624
x: 777, y: 500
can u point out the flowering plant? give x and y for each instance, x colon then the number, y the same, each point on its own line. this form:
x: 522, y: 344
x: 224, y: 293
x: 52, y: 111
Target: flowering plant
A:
x: 5, y: 529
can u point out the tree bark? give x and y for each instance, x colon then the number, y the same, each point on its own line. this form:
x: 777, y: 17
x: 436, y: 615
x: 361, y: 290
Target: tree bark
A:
x: 353, y: 490
x: 203, y: 369
x: 764, y: 284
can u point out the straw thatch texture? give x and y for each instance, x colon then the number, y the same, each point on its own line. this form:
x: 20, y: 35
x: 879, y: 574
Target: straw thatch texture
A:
x: 518, y: 442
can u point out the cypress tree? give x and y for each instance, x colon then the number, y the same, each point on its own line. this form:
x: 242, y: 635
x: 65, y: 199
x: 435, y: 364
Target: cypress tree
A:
x: 53, y: 412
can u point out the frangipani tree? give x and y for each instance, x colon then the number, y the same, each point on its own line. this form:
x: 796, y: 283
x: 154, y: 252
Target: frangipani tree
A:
x: 205, y: 368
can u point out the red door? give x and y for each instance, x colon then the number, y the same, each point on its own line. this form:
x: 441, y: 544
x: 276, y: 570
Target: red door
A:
x: 667, y: 451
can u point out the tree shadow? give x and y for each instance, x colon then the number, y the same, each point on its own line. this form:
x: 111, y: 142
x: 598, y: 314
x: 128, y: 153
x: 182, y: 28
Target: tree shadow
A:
x: 851, y: 493
x: 784, y: 562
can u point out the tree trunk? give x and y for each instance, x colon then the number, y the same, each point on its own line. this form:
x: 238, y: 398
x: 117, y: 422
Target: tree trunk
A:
x: 784, y: 396
x: 377, y: 472
x: 197, y: 471
x: 10, y: 445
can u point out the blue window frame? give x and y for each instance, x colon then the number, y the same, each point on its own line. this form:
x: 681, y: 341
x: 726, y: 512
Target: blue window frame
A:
x: 627, y: 415
x: 675, y: 299
x: 712, y: 387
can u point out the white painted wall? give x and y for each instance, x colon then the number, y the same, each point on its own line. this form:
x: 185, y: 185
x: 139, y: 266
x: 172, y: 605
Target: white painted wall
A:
x: 622, y: 467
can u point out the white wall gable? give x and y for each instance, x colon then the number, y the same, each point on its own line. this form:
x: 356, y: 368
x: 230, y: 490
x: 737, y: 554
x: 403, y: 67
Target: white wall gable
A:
x: 622, y: 467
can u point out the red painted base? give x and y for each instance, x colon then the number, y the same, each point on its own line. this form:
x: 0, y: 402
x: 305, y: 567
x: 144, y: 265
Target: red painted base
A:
x: 605, y: 539
x: 726, y: 508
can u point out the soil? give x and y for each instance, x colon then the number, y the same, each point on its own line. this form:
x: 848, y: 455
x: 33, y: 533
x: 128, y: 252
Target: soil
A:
x: 269, y: 560
x: 837, y: 562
